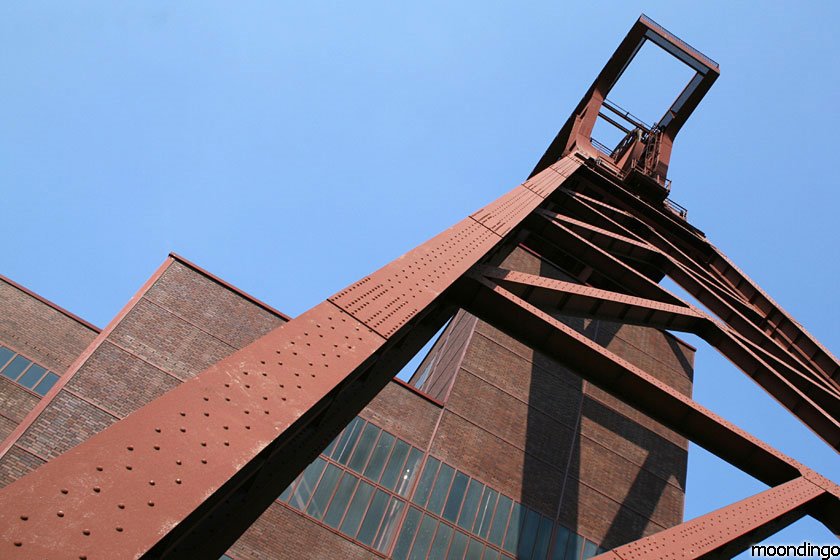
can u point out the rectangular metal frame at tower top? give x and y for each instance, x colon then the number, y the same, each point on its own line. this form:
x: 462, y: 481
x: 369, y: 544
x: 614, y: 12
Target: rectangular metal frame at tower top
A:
x: 185, y: 475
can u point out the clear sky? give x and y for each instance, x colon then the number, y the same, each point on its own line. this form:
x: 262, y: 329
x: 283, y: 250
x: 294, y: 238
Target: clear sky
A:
x: 293, y: 147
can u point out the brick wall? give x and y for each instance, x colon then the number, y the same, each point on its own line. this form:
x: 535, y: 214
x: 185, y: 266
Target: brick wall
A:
x: 42, y: 332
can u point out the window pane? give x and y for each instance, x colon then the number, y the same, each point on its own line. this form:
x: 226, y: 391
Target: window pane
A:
x: 46, y: 383
x: 340, y: 500
x: 474, y: 492
x: 324, y: 492
x: 497, y: 529
x: 32, y: 376
x: 373, y: 517
x: 14, y: 369
x: 574, y: 546
x: 285, y: 494
x: 517, y: 517
x: 357, y: 509
x: 342, y: 451
x: 364, y: 447
x: 456, y: 496
x: 379, y: 456
x: 307, y: 484
x: 409, y: 472
x: 389, y: 525
x: 529, y: 533
x: 590, y: 549
x: 424, y: 538
x: 485, y: 512
x: 561, y: 541
x: 441, y: 542
x: 412, y: 520
x: 543, y: 538
x: 441, y: 488
x: 5, y: 355
x: 491, y: 554
x: 458, y: 547
x: 421, y: 495
x: 474, y: 551
x: 331, y: 446
x: 395, y: 465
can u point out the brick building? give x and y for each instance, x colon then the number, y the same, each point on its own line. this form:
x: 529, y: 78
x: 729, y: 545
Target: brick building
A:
x: 489, y: 451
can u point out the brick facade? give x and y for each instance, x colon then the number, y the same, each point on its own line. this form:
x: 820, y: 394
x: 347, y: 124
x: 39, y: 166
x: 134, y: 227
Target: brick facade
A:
x: 493, y: 409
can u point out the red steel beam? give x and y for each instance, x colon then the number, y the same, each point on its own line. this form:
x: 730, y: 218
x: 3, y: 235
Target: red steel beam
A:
x: 172, y: 478
x: 798, y: 393
x: 727, y: 531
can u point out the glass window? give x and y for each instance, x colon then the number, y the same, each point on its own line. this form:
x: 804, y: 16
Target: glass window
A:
x: 491, y: 554
x: 373, y: 518
x: 485, y: 512
x: 331, y: 446
x: 286, y: 494
x: 574, y: 546
x: 543, y: 538
x: 467, y: 516
x: 389, y: 525
x: 561, y: 541
x: 379, y: 456
x: 412, y: 520
x: 474, y: 550
x: 363, y: 448
x: 348, y: 439
x: 321, y: 497
x: 458, y: 547
x: 424, y: 538
x: 339, y: 502
x: 395, y: 465
x: 424, y: 487
x: 16, y: 367
x: 32, y: 376
x: 590, y: 549
x: 529, y: 533
x: 46, y: 383
x: 5, y: 355
x: 517, y: 517
x: 440, y: 489
x: 497, y: 529
x: 456, y: 496
x: 441, y: 542
x: 409, y: 472
x: 306, y: 483
x: 357, y: 509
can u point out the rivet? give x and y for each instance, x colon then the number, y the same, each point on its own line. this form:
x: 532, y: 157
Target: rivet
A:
x: 206, y: 414
x: 157, y: 430
x: 99, y: 469
x: 121, y: 506
x: 178, y: 462
x: 204, y: 461
x: 151, y: 503
x: 183, y: 430
x: 18, y: 543
x: 60, y: 513
x: 226, y: 427
x: 130, y: 448
x: 203, y: 444
x: 119, y: 529
x: 157, y: 447
x: 227, y: 444
x: 128, y: 467
x: 64, y: 490
x: 97, y: 489
x: 247, y: 427
x: 24, y: 517
x: 206, y: 399
x: 86, y: 532
x: 183, y: 413
x: 177, y: 481
x: 151, y: 483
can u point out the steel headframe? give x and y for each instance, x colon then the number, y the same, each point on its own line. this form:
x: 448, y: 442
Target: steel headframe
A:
x: 185, y: 475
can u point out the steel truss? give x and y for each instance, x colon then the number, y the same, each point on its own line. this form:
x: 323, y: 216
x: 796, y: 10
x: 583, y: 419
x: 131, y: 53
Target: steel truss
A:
x: 185, y: 475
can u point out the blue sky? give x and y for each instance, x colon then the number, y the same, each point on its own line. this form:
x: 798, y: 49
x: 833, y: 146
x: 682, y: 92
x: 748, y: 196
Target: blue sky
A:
x: 291, y: 148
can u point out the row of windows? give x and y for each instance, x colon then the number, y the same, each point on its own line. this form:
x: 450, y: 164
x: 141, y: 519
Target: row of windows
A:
x: 355, y: 485
x: 487, y: 516
x: 26, y: 372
